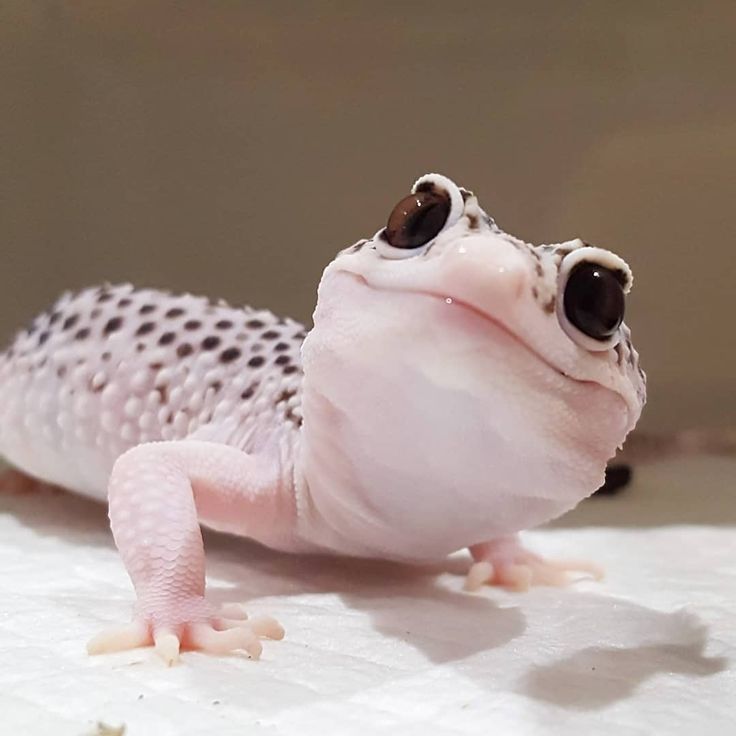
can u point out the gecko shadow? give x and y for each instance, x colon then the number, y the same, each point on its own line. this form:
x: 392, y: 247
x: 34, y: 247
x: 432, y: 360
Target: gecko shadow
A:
x: 404, y: 602
x: 629, y: 644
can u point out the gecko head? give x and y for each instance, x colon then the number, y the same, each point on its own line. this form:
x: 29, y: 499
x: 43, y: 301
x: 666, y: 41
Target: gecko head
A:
x: 442, y: 309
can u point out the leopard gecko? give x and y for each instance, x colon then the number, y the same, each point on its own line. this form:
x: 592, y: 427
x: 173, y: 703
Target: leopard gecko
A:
x: 459, y: 385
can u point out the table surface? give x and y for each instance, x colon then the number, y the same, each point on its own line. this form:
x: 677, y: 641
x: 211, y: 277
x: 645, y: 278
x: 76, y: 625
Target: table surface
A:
x: 375, y: 648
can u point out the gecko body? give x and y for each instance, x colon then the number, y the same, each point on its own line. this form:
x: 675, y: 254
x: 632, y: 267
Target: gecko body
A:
x: 459, y: 385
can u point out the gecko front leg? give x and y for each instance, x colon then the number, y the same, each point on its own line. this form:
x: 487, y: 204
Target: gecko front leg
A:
x: 157, y: 492
x: 506, y: 562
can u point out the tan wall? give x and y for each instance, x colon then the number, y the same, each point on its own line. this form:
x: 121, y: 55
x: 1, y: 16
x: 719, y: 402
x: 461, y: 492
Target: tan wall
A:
x: 231, y: 148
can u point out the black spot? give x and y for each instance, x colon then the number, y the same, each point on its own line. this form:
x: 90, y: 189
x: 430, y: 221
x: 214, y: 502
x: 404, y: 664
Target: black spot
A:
x: 69, y: 322
x: 192, y: 324
x: 256, y: 361
x: 167, y: 338
x: 113, y: 325
x: 140, y: 347
x: 210, y: 343
x: 54, y: 318
x: 300, y: 335
x: 175, y: 312
x: 248, y: 393
x: 147, y: 308
x: 104, y: 297
x: 285, y: 395
x: 283, y: 360
x: 145, y: 328
x: 619, y: 350
x: 289, y: 369
x: 125, y: 303
x: 223, y: 324
x: 95, y: 313
x: 106, y: 356
x: 216, y: 386
x: 229, y: 355
x: 254, y: 324
x: 293, y: 418
x: 43, y: 337
x: 270, y: 335
x: 61, y: 371
x: 184, y: 349
x: 281, y: 346
x: 82, y: 334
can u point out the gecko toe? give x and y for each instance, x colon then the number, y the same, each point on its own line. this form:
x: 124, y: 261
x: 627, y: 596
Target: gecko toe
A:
x: 167, y: 646
x: 120, y: 638
x: 267, y: 627
x: 212, y: 641
x: 479, y: 574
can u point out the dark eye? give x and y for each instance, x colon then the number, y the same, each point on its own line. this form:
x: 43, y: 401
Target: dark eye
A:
x: 594, y: 300
x: 417, y: 219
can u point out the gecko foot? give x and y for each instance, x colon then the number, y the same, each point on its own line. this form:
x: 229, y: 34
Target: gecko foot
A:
x: 227, y: 630
x: 508, y: 564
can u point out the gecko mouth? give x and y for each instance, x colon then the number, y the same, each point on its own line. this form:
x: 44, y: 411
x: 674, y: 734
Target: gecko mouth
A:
x: 527, y: 348
x: 465, y: 306
x: 499, y: 325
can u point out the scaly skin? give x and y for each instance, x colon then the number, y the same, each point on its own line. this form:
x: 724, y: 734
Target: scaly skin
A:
x: 441, y: 401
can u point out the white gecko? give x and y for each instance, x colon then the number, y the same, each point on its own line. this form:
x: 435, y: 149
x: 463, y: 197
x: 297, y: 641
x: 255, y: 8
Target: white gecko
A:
x: 459, y: 385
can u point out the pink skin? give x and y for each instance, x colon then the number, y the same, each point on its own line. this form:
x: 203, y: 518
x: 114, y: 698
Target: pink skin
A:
x: 157, y: 492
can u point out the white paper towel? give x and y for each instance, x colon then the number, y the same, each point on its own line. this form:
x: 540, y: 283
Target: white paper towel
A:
x: 373, y: 648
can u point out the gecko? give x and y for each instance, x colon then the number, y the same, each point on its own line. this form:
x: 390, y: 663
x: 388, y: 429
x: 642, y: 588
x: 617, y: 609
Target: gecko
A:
x: 458, y: 386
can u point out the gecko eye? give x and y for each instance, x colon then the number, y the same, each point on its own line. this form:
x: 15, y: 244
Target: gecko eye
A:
x: 591, y: 295
x: 594, y: 300
x: 417, y: 219
x: 435, y: 204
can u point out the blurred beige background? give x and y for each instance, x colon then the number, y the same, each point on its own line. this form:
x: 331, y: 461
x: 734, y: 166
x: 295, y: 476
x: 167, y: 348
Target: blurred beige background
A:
x: 231, y: 148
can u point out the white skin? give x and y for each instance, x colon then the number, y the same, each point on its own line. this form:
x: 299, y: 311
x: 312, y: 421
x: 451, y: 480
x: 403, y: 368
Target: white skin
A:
x: 446, y: 401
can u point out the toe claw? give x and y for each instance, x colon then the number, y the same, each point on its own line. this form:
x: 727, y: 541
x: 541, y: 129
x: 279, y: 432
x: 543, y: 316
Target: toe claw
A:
x: 167, y: 646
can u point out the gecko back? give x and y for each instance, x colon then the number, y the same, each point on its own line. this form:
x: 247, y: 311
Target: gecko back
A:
x: 111, y: 367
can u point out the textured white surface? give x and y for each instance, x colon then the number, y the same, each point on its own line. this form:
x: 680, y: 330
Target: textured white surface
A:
x: 381, y: 649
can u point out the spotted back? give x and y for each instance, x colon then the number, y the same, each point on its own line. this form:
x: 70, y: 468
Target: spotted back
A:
x: 114, y: 366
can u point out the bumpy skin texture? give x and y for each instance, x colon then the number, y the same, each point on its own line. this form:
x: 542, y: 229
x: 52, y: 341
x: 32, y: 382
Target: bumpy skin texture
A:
x: 441, y: 401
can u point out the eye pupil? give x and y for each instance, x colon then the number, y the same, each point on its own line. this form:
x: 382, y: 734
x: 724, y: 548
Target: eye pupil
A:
x: 594, y: 300
x: 417, y: 219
